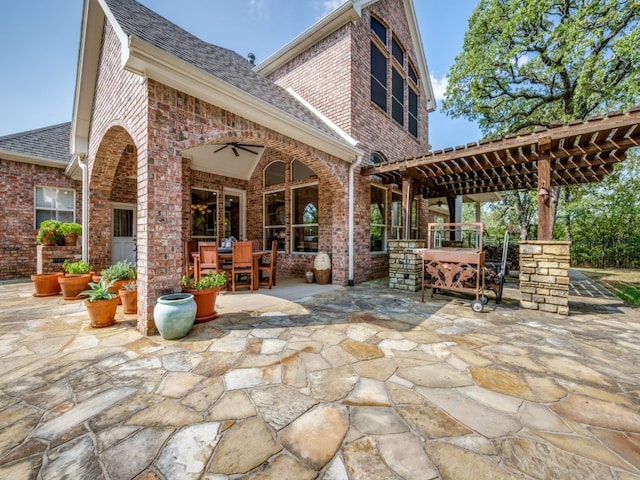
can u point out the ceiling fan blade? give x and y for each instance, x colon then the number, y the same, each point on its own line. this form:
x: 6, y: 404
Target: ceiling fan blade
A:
x: 241, y: 147
x: 235, y: 151
x: 221, y: 148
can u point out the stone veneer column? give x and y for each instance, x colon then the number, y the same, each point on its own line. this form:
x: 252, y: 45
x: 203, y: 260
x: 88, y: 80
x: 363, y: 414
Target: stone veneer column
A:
x: 544, y: 275
x: 402, y: 264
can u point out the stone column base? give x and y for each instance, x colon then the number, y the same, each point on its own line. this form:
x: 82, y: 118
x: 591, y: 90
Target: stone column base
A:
x: 405, y: 269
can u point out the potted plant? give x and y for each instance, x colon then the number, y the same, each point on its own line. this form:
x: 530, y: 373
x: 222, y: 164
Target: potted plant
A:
x: 118, y: 274
x: 174, y: 315
x: 76, y: 279
x: 101, y: 304
x: 49, y: 233
x: 129, y: 297
x: 70, y: 232
x: 205, y: 291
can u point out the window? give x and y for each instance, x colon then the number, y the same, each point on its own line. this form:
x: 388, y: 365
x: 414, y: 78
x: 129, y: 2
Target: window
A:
x: 304, y: 218
x: 53, y: 203
x: 376, y: 158
x: 377, y: 218
x: 397, y: 93
x: 301, y: 172
x: 413, y: 112
x: 397, y: 51
x: 274, y: 174
x: 378, y: 77
x: 274, y: 218
x: 412, y: 74
x: 379, y: 29
x: 396, y: 215
x: 414, y: 219
x: 204, y: 214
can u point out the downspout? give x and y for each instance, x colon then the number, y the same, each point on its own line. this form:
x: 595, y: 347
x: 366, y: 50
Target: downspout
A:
x: 85, y: 206
x: 352, y: 170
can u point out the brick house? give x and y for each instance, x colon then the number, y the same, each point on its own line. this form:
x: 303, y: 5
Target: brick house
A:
x: 174, y: 139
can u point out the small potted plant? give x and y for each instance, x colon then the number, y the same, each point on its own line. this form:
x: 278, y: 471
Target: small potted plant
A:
x: 118, y: 274
x: 101, y: 304
x: 129, y: 297
x: 49, y: 233
x: 70, y: 232
x: 205, y: 291
x: 76, y: 279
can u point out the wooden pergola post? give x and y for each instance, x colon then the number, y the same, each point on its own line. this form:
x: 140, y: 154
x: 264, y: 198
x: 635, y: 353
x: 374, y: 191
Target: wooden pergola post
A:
x: 544, y: 189
x: 408, y: 191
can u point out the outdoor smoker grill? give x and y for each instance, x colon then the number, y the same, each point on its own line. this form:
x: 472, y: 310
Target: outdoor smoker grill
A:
x: 454, y: 260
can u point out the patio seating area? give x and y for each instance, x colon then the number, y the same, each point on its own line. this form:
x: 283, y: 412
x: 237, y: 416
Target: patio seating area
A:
x: 392, y: 388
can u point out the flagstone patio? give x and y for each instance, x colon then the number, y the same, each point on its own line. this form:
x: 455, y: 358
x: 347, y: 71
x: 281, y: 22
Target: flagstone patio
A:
x: 351, y: 383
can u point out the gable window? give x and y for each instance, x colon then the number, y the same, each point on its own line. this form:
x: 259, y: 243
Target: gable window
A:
x: 274, y: 218
x: 204, y: 214
x: 304, y: 218
x: 53, y: 203
x: 397, y: 51
x: 274, y: 174
x: 379, y: 29
x: 378, y: 219
x: 413, y: 112
x: 378, y: 77
x: 397, y: 94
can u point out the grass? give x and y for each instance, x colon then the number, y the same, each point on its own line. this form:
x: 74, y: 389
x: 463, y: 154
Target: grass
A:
x: 624, y: 284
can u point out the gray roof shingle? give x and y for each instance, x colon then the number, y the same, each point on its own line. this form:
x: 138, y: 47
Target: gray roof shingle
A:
x: 49, y: 142
x: 138, y: 21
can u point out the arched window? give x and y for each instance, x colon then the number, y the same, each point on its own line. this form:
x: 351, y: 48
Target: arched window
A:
x: 299, y: 171
x: 376, y: 158
x: 274, y: 174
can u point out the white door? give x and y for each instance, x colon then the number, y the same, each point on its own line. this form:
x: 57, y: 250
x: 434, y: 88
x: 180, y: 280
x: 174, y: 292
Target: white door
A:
x: 123, y: 233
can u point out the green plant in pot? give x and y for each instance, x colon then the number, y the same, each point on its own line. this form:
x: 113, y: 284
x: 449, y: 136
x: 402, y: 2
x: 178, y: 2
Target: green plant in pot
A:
x: 119, y: 273
x: 101, y: 304
x: 205, y: 291
x: 70, y: 232
x: 77, y: 278
x: 129, y: 296
x: 49, y: 233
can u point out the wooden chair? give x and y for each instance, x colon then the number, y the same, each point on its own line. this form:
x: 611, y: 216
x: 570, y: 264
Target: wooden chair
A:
x: 270, y: 267
x: 209, y: 262
x: 188, y: 248
x: 241, y: 264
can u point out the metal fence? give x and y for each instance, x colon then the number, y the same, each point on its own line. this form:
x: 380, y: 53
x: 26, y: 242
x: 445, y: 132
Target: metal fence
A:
x: 606, y: 252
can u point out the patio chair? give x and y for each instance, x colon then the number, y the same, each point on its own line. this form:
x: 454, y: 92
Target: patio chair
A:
x: 209, y: 261
x: 270, y: 267
x: 188, y: 248
x: 242, y: 264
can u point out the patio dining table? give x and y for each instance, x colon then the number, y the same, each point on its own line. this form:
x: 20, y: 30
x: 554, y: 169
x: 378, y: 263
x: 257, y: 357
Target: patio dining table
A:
x: 226, y: 255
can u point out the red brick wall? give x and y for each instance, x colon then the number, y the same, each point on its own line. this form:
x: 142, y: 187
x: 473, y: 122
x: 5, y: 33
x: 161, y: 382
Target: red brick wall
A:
x: 17, y: 215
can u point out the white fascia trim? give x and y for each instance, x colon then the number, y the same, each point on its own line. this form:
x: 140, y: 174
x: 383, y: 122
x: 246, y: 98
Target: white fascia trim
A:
x: 148, y: 61
x: 422, y: 61
x: 329, y: 123
x: 342, y: 15
x: 86, y: 74
x: 19, y: 157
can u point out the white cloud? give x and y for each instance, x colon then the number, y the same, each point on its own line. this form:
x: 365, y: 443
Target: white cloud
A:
x: 439, y: 87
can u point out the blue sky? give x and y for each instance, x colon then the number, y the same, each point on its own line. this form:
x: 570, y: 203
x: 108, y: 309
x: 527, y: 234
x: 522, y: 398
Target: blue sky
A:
x: 39, y: 41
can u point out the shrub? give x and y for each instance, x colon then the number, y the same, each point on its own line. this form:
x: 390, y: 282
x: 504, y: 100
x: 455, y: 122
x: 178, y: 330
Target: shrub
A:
x: 50, y: 230
x: 212, y: 280
x: 122, y: 270
x: 70, y: 228
x: 76, y: 268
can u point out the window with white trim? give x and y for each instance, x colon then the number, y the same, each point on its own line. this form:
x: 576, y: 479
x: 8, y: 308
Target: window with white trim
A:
x: 378, y: 219
x: 204, y: 214
x: 274, y: 218
x: 52, y: 203
x: 304, y: 218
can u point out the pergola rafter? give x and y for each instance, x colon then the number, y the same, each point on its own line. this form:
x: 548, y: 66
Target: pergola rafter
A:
x: 580, y: 152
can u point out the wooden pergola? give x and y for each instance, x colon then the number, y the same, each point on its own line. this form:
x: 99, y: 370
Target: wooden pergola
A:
x: 580, y: 152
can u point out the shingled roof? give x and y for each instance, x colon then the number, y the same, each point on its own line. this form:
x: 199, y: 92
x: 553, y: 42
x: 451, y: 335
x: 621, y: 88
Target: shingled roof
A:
x: 138, y: 21
x: 49, y: 143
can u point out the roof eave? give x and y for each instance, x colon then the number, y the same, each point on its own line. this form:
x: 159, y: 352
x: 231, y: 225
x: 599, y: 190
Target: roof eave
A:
x: 34, y: 160
x: 149, y: 61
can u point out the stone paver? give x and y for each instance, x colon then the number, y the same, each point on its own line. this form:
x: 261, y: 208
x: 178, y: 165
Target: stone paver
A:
x: 353, y: 383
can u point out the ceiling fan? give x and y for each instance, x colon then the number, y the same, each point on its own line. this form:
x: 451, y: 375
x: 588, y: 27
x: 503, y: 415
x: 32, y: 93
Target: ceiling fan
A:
x: 237, y: 146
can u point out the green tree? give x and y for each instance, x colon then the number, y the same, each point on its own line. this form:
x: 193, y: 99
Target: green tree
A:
x: 530, y: 63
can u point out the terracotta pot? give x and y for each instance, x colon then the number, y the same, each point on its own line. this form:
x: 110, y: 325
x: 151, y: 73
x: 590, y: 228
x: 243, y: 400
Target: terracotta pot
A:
x: 48, y: 239
x: 102, y: 313
x: 115, y: 288
x: 205, y: 302
x: 72, y: 285
x: 129, y: 300
x: 70, y: 239
x: 46, y: 284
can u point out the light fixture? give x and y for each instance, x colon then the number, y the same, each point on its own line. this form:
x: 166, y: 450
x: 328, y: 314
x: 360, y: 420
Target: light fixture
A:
x: 543, y: 192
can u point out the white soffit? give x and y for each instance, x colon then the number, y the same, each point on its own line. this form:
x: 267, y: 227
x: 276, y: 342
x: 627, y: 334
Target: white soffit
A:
x: 225, y: 162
